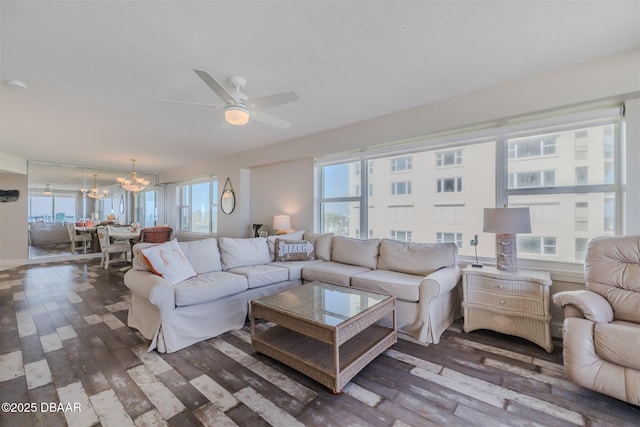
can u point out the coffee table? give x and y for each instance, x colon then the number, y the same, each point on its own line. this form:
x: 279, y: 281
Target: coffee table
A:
x: 327, y: 332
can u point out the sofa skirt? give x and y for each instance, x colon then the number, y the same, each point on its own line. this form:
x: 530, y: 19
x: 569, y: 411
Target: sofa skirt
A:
x: 183, y: 326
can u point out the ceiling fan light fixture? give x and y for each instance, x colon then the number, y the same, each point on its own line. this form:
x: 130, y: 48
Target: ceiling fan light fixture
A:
x: 235, y: 115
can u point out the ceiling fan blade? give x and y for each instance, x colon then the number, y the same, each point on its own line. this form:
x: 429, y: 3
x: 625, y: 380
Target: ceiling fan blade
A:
x: 264, y: 102
x: 216, y: 86
x: 271, y: 120
x: 201, y: 104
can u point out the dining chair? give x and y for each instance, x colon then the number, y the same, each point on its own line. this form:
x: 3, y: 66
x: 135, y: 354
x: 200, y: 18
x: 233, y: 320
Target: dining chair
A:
x: 78, y: 241
x: 159, y: 234
x: 108, y: 248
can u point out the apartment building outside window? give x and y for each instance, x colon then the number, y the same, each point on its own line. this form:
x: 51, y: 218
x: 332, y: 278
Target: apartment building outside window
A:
x: 532, y: 179
x: 402, y: 235
x: 443, y: 237
x: 198, y: 206
x: 449, y: 158
x: 536, y: 245
x: 401, y: 164
x: 401, y: 188
x: 535, y: 169
x: 532, y: 147
x: 582, y: 145
x: 582, y: 175
x: 449, y: 185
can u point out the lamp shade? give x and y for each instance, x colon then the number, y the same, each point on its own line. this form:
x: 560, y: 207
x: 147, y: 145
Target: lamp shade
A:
x: 281, y: 222
x: 507, y: 220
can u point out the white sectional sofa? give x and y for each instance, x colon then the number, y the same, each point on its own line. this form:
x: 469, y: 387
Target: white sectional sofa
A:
x: 232, y: 272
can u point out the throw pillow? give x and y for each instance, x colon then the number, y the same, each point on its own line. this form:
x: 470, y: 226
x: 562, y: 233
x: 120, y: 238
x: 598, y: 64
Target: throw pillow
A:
x: 168, y: 260
x: 271, y: 241
x: 294, y: 250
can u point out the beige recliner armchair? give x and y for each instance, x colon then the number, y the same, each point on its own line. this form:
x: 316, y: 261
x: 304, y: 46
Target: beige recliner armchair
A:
x: 601, y: 331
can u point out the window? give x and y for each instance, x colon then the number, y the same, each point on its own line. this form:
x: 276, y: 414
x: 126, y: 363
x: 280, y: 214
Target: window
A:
x: 530, y: 168
x: 532, y: 147
x: 582, y: 144
x: 582, y: 175
x: 536, y: 245
x: 198, y: 209
x: 449, y: 158
x: 401, y: 188
x: 401, y: 164
x: 449, y: 238
x: 404, y: 236
x: 582, y: 216
x: 339, y: 209
x: 449, y: 185
x: 56, y: 208
x: 532, y: 179
x: 581, y: 248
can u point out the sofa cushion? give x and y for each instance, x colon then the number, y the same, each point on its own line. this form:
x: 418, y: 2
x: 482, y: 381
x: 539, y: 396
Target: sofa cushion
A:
x: 208, y: 287
x: 137, y: 260
x: 332, y: 272
x: 295, y: 267
x: 607, y: 338
x: 363, y: 253
x: 203, y: 255
x: 294, y: 250
x: 321, y: 244
x: 403, y: 286
x: 416, y: 258
x: 262, y: 275
x: 168, y: 260
x: 243, y: 252
x: 271, y: 240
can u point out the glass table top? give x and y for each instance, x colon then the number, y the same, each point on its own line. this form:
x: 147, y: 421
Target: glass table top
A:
x: 324, y: 303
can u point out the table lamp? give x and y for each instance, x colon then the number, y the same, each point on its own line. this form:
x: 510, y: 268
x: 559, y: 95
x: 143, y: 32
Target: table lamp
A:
x: 281, y: 223
x: 506, y: 222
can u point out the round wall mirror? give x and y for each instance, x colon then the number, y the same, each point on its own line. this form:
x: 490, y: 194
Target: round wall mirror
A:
x: 228, y: 201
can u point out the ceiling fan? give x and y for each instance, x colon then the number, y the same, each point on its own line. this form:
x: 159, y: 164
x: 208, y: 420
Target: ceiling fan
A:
x: 238, y: 108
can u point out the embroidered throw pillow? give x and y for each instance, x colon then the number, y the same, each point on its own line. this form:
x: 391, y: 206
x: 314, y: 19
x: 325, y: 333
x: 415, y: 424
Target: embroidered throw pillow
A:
x: 294, y: 250
x: 168, y: 260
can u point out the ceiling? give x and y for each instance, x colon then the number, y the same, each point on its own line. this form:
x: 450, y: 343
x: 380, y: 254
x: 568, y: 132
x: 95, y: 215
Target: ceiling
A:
x: 98, y: 71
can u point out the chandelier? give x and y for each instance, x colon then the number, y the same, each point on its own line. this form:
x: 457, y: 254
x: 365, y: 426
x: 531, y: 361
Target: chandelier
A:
x: 47, y: 191
x: 94, y: 193
x: 134, y: 183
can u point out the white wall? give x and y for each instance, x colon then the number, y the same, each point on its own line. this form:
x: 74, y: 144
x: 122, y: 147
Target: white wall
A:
x: 283, y: 188
x: 14, y: 248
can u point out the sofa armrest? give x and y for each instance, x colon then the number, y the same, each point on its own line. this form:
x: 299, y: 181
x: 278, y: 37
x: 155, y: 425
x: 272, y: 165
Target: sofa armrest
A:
x: 151, y: 287
x: 439, y: 283
x: 590, y: 305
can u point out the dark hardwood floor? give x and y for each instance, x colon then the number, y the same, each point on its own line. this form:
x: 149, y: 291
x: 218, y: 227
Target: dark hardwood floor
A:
x: 67, y: 356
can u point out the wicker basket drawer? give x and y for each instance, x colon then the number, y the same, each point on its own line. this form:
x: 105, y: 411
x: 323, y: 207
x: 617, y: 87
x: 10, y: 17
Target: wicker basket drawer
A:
x: 507, y: 287
x: 506, y: 302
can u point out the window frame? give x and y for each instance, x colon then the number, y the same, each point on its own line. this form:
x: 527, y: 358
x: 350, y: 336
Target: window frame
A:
x: 615, y: 192
x: 183, y: 205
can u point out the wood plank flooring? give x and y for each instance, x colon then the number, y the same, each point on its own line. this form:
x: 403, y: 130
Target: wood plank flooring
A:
x: 67, y: 355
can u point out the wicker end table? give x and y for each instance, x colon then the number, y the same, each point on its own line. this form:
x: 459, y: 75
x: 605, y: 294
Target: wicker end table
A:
x: 514, y: 303
x: 327, y: 332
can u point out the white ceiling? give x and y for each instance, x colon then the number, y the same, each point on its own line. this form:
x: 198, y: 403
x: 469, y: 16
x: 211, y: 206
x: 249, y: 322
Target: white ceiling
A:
x: 98, y: 70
